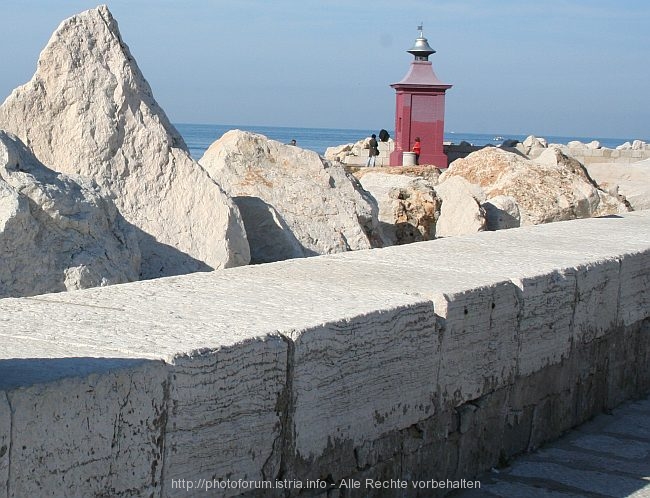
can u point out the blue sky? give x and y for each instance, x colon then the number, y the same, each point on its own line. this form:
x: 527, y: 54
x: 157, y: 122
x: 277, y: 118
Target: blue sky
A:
x: 576, y: 68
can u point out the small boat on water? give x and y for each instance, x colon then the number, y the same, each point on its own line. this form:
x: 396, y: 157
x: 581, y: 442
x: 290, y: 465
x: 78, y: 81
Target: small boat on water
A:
x: 498, y: 137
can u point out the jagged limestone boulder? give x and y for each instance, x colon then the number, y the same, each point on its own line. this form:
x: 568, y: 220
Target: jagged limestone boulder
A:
x: 408, y: 205
x: 88, y: 110
x: 294, y: 203
x: 553, y: 187
x: 534, y: 146
x: 338, y: 152
x: 461, y: 211
x: 57, y: 232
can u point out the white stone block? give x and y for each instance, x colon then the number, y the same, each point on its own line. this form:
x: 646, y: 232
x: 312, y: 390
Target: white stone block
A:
x: 357, y: 379
x: 225, y: 415
x: 479, y: 341
x: 596, y: 307
x: 634, y: 301
x: 89, y: 436
x: 545, y: 326
x: 5, y: 443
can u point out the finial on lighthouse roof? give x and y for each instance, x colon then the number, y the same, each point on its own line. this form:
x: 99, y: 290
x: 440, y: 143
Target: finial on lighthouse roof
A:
x: 421, y: 50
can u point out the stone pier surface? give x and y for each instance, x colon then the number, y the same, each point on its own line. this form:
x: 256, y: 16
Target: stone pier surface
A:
x: 608, y: 456
x: 434, y: 360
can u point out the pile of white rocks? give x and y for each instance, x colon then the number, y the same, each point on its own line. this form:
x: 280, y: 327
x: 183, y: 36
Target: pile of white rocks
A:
x: 493, y: 189
x: 533, y: 146
x: 628, y: 180
x: 551, y: 187
x: 135, y: 204
x: 88, y: 110
x: 635, y: 145
x: 97, y: 187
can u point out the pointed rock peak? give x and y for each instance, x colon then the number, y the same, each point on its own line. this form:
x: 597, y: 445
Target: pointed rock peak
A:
x: 88, y: 110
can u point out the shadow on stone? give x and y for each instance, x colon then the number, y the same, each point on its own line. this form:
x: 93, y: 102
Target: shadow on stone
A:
x: 162, y: 260
x: 269, y: 237
x: 403, y: 233
x: 25, y: 372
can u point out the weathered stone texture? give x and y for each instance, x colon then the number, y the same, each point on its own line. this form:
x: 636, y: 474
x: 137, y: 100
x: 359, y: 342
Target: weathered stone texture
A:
x: 634, y: 294
x: 88, y: 110
x: 553, y: 187
x: 57, y: 232
x: 461, y: 211
x: 5, y: 443
x: 100, y: 435
x: 408, y: 206
x: 545, y: 325
x: 487, y: 316
x: 596, y: 300
x: 430, y: 360
x: 353, y: 402
x: 294, y: 203
x: 225, y: 413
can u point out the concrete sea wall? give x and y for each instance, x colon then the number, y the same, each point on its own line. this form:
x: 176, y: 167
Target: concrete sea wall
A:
x: 428, y: 361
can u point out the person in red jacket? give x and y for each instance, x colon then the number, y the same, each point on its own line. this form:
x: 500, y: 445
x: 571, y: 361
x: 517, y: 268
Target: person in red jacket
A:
x: 416, y: 149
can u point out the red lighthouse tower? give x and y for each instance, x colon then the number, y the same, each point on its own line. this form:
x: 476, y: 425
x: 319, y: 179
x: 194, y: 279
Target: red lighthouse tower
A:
x: 420, y: 109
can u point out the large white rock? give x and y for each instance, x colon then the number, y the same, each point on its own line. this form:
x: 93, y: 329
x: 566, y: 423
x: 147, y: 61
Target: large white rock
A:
x: 408, y: 205
x: 338, y: 152
x: 294, y: 204
x: 533, y: 146
x: 57, y: 232
x: 630, y: 180
x: 89, y: 110
x: 461, y: 212
x: 554, y: 187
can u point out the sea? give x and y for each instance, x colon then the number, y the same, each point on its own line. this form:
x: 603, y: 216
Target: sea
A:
x: 198, y: 137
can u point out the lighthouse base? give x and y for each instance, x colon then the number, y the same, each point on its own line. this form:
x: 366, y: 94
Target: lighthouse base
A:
x: 437, y: 160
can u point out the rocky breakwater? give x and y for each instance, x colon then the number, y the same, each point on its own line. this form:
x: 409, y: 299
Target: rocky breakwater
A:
x: 553, y: 187
x: 57, y: 232
x: 624, y: 171
x: 589, y: 152
x: 425, y: 361
x: 88, y: 110
x: 490, y: 189
x: 294, y: 203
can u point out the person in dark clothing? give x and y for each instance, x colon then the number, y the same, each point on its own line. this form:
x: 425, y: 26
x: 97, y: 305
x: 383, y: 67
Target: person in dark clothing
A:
x: 373, y: 151
x: 383, y: 135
